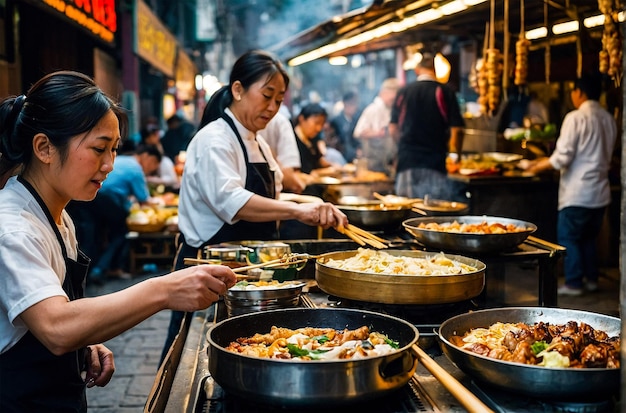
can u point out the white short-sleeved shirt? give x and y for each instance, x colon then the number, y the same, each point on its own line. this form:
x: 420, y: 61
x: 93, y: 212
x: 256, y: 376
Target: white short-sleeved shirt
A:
x: 376, y: 116
x: 583, y: 155
x: 32, y: 267
x: 212, y: 189
x: 281, y: 138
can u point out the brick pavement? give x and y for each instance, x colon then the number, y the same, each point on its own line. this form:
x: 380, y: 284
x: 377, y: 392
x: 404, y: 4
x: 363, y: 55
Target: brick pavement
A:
x: 137, y: 353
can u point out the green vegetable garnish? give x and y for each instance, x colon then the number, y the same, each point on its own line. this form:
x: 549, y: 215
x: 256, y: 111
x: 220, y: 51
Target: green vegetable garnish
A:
x: 242, y: 284
x: 301, y: 352
x: 538, y: 346
x: 321, y: 339
x: 393, y: 344
x: 297, y: 351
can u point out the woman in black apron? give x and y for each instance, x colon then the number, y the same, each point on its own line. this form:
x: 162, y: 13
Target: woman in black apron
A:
x: 226, y: 149
x: 63, y: 137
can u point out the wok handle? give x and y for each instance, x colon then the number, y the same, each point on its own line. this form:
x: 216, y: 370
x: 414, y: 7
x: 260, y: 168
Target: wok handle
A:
x: 472, y: 403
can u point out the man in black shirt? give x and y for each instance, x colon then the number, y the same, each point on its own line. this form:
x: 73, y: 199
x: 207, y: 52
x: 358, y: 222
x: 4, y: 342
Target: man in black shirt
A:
x: 426, y: 122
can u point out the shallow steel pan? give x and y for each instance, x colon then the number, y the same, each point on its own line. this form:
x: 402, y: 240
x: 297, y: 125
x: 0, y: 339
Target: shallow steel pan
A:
x: 376, y: 215
x: 311, y: 383
x: 399, y: 289
x: 561, y: 384
x: 468, y: 242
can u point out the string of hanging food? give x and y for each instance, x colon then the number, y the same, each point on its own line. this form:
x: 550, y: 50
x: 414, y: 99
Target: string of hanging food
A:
x: 494, y: 66
x: 522, y: 47
x: 611, y: 53
x: 481, y: 77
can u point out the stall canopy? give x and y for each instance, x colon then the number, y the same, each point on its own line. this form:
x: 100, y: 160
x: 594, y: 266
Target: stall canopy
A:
x: 398, y: 23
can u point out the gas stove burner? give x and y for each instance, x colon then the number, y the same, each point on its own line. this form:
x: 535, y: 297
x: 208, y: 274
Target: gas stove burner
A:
x: 509, y: 402
x: 414, y: 313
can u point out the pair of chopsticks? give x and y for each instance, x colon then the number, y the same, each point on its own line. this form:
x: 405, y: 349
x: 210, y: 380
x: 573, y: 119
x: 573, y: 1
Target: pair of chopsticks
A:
x: 287, y: 260
x: 362, y: 237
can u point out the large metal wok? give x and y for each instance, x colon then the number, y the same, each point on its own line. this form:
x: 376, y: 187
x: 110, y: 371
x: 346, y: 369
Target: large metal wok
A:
x: 563, y: 384
x: 399, y: 289
x: 468, y: 242
x: 307, y: 383
x: 376, y: 215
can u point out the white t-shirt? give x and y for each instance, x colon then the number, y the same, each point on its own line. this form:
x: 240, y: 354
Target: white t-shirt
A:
x: 212, y: 189
x: 376, y: 116
x: 32, y: 267
x: 583, y: 155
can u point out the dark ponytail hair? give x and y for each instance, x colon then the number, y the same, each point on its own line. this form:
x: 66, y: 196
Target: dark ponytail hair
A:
x: 248, y: 69
x: 60, y: 105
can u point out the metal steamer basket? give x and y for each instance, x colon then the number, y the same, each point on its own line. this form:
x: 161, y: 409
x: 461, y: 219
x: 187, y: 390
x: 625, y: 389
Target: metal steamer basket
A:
x: 399, y: 289
x: 293, y: 383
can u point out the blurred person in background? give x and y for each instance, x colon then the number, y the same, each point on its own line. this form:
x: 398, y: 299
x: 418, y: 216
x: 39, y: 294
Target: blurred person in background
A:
x: 372, y: 129
x: 176, y: 138
x: 62, y: 137
x: 342, y: 126
x: 426, y: 122
x: 166, y: 173
x: 104, y: 221
x: 282, y: 140
x: 583, y: 156
x: 231, y: 180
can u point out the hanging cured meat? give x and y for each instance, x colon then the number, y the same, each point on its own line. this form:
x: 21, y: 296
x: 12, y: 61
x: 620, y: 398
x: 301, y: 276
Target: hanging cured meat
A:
x: 521, y: 52
x: 611, y: 53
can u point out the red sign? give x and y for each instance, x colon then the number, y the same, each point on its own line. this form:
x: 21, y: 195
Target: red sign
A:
x: 97, y: 16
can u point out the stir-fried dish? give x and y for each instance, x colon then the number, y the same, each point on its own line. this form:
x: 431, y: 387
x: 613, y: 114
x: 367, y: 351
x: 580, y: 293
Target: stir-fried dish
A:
x: 483, y: 227
x: 576, y: 345
x: 310, y: 343
x: 381, y: 262
x: 264, y: 285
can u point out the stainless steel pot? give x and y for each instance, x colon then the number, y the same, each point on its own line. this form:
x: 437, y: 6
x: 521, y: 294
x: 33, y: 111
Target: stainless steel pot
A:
x: 468, y: 242
x: 376, y: 215
x: 240, y: 302
x: 564, y: 384
x: 399, y: 289
x: 310, y: 383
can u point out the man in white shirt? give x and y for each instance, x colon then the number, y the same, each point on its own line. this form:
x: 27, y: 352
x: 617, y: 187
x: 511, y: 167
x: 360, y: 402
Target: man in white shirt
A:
x: 583, y: 155
x: 372, y: 128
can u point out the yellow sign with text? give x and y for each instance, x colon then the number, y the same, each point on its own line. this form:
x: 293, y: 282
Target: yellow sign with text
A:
x: 155, y: 43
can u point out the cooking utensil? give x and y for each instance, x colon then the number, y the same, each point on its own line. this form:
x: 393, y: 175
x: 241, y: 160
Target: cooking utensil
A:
x: 565, y: 384
x: 467, y: 399
x: 395, y: 199
x: 376, y: 216
x: 284, y: 295
x: 399, y: 289
x: 440, y: 206
x: 362, y: 237
x: 311, y: 383
x: 468, y: 242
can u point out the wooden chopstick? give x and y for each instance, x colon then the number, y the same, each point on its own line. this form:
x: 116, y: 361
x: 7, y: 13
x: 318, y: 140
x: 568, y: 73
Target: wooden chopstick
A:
x: 467, y: 399
x: 362, y: 237
x: 419, y: 211
x: 297, y: 259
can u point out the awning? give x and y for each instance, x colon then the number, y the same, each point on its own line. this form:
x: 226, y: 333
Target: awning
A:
x: 431, y: 21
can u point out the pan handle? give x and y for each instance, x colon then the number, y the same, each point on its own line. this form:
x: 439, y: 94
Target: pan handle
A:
x: 472, y: 403
x: 389, y: 369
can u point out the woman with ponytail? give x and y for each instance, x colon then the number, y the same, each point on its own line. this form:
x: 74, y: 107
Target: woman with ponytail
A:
x: 62, y: 138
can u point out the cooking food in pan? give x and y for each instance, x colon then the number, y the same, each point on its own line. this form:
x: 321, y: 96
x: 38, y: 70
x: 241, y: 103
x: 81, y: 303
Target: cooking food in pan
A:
x: 399, y: 289
x: 381, y: 262
x: 576, y: 345
x: 483, y: 227
x: 298, y: 383
x: 313, y: 343
x: 445, y: 232
x: 556, y: 383
x: 264, y: 285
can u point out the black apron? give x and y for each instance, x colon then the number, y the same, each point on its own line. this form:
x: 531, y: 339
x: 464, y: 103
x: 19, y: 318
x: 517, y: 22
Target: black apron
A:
x: 32, y: 379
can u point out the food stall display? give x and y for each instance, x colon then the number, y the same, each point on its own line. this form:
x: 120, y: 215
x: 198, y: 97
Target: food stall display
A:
x: 521, y: 52
x: 612, y: 50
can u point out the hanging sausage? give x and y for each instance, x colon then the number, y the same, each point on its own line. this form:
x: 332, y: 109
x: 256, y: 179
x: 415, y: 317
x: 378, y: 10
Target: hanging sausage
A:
x: 521, y: 52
